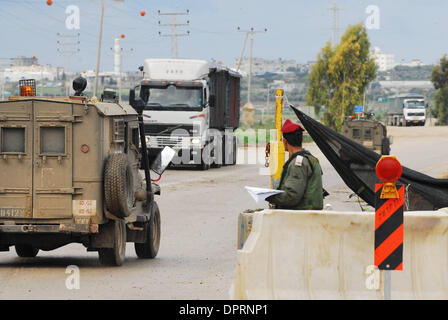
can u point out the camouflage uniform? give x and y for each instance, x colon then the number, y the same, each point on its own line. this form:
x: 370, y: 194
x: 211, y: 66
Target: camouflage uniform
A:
x: 302, y: 182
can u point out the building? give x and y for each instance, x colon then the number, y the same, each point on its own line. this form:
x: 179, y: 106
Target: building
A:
x: 261, y: 65
x: 384, y: 61
x: 413, y: 63
x: 23, y: 61
x: 37, y: 72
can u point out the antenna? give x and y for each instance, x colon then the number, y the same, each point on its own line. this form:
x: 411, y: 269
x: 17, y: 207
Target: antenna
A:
x: 335, y: 9
x: 174, y: 25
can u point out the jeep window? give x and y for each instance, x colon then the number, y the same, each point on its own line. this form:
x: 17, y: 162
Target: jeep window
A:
x: 13, y: 140
x: 52, y: 140
x: 368, y: 134
x: 135, y: 137
x: 356, y: 133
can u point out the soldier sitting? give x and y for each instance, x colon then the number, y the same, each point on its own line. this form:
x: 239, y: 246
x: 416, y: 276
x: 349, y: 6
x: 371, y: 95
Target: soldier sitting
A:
x: 301, y: 177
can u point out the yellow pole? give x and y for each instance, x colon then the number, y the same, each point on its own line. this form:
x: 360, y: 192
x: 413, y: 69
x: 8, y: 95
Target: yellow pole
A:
x: 277, y: 155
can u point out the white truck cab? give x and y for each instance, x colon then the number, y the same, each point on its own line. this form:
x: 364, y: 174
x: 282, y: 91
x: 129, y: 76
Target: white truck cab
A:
x: 414, y: 111
x: 185, y: 100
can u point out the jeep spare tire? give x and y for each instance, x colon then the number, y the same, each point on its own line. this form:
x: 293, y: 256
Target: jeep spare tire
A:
x: 118, y: 185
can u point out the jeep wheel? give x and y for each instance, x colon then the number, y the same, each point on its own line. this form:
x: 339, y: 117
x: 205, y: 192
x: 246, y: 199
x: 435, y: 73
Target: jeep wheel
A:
x: 150, y: 248
x: 26, y: 251
x: 115, y: 256
x: 118, y: 185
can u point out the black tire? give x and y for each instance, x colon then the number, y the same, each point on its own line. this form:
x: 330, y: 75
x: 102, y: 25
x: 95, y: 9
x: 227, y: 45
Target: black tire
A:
x: 150, y: 248
x: 215, y: 163
x: 119, y: 185
x: 235, y: 151
x: 203, y: 166
x: 26, y: 251
x: 385, y: 147
x: 115, y: 256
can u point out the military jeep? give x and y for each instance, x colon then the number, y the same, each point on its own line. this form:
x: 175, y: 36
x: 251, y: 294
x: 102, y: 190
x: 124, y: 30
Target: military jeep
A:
x: 69, y: 173
x: 368, y: 132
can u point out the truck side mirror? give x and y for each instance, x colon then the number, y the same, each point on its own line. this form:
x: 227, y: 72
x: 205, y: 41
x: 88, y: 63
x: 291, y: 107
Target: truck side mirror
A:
x: 137, y: 103
x: 163, y: 160
x: 211, y: 101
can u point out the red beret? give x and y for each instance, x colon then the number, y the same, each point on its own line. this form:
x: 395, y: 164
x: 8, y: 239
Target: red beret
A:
x: 289, y: 127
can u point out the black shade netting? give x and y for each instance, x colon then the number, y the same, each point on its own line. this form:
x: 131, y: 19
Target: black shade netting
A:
x: 356, y: 165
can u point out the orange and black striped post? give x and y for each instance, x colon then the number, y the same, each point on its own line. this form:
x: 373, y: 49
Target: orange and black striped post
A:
x: 389, y: 219
x: 389, y: 230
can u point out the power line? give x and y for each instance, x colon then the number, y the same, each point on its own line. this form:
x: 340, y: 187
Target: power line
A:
x: 68, y: 45
x: 249, y: 33
x: 174, y: 25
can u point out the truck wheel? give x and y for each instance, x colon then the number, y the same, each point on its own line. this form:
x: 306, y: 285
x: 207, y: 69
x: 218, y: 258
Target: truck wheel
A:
x: 118, y: 185
x: 26, y: 251
x: 385, y: 147
x: 115, y: 256
x: 150, y: 248
x: 203, y: 166
x: 235, y: 150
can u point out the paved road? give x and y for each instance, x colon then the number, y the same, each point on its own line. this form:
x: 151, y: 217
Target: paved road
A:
x: 199, y: 220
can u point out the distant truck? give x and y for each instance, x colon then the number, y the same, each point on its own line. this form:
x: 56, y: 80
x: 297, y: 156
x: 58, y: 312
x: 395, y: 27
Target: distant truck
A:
x: 407, y: 109
x: 193, y: 107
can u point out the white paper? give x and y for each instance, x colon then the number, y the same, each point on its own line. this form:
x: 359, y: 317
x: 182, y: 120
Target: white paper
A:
x: 260, y: 194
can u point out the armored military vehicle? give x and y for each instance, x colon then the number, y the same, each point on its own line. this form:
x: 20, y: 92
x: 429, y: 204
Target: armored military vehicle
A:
x: 69, y: 173
x: 368, y: 132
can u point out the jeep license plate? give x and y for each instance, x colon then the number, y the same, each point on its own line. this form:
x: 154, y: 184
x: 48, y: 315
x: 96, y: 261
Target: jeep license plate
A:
x: 12, y: 213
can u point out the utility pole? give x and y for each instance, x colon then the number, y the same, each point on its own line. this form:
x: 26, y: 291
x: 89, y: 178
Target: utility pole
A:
x: 248, y: 109
x: 98, y: 56
x: 335, y: 10
x: 118, y: 63
x: 174, y: 25
x: 68, y: 46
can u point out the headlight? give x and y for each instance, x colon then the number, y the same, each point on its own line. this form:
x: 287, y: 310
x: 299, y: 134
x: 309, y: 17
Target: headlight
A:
x: 147, y: 140
x: 195, y: 141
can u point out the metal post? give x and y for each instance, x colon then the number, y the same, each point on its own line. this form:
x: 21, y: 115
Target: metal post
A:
x: 277, y: 156
x: 98, y: 58
x: 242, y: 52
x: 387, y: 283
x: 249, y: 86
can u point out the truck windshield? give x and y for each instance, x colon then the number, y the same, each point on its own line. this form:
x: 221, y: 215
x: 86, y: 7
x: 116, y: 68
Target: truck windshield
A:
x: 415, y: 104
x: 175, y: 98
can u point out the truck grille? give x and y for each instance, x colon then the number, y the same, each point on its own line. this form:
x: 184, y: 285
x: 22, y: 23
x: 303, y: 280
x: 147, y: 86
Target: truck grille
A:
x: 416, y: 114
x: 172, y: 142
x: 154, y: 129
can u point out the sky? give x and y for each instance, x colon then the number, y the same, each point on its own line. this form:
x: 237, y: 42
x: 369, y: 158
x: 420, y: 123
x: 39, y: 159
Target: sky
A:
x: 297, y: 29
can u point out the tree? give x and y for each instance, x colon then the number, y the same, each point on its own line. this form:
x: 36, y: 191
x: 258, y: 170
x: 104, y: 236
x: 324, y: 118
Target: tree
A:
x: 341, y: 75
x: 439, y: 78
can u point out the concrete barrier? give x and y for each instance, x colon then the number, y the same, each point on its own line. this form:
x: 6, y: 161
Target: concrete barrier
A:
x: 330, y: 255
